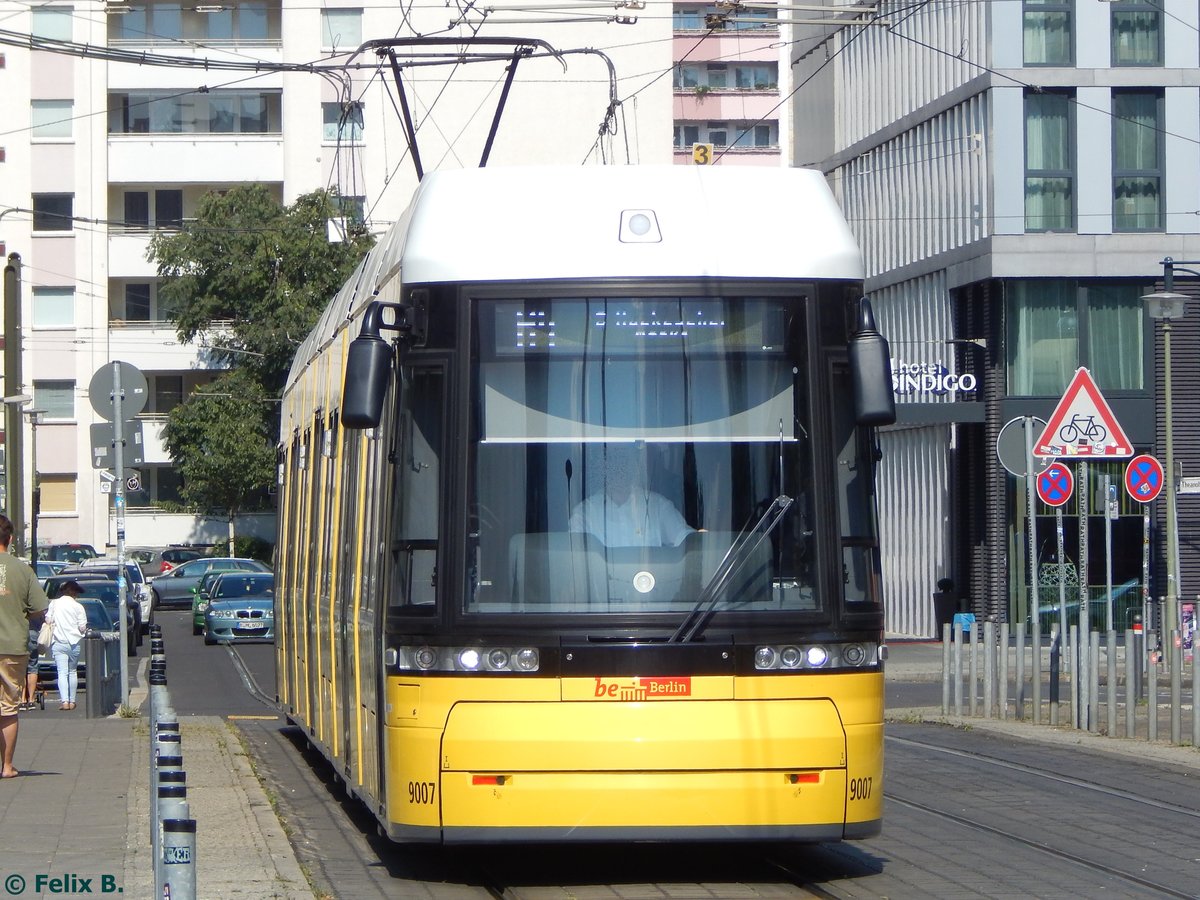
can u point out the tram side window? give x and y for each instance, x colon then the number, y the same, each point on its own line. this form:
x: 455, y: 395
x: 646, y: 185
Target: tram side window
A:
x: 418, y: 492
x: 855, y: 494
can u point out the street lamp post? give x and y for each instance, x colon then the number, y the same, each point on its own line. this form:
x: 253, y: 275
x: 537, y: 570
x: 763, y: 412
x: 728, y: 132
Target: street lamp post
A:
x: 35, y: 494
x: 14, y: 487
x: 1167, y: 305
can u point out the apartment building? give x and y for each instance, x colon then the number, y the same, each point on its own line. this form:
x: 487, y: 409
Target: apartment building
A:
x: 129, y: 111
x: 1017, y: 173
x: 728, y: 107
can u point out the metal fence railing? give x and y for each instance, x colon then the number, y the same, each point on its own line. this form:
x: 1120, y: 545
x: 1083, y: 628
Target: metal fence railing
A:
x: 1117, y: 683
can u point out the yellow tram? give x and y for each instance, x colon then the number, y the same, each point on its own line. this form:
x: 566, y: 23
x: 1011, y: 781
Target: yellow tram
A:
x: 577, y: 519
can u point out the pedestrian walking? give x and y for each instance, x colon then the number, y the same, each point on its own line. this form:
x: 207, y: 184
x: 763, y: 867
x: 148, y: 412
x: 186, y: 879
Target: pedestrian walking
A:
x: 29, y: 698
x: 69, y: 621
x: 22, y: 603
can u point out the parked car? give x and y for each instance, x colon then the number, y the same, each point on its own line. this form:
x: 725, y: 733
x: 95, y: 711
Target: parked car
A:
x: 106, y: 590
x: 241, y: 607
x: 47, y: 567
x: 200, y: 598
x: 175, y: 588
x: 70, y: 553
x: 136, y: 586
x: 1127, y: 602
x: 156, y: 560
x: 99, y: 620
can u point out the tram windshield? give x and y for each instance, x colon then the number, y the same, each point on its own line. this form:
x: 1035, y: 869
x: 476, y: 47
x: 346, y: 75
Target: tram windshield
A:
x: 622, y: 444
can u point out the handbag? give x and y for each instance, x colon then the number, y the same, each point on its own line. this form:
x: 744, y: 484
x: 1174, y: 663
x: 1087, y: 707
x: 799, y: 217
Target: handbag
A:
x: 45, y: 636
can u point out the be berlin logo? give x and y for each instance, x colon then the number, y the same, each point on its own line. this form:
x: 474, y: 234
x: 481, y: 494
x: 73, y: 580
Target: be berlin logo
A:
x: 68, y: 883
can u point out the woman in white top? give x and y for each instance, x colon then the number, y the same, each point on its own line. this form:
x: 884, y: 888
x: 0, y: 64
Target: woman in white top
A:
x: 69, y: 620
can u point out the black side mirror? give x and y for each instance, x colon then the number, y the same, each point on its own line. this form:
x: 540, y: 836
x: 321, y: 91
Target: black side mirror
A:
x: 368, y: 364
x: 871, y: 371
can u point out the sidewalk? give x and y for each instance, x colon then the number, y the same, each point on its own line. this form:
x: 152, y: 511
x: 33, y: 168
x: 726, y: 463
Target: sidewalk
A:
x: 81, y: 809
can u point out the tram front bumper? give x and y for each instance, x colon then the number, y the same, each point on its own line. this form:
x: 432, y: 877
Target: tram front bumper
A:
x: 700, y: 770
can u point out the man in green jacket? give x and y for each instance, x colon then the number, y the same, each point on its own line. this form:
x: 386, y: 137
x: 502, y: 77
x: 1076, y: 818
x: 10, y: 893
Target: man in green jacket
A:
x: 22, y: 602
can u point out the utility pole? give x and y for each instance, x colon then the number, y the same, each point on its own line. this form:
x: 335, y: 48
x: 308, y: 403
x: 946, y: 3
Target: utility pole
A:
x: 14, y: 482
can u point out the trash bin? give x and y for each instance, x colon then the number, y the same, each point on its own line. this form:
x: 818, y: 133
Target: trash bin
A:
x: 945, y: 605
x: 101, y: 692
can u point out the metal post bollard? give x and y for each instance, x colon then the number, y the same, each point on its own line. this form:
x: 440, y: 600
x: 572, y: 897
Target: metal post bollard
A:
x: 179, y: 859
x: 93, y: 661
x: 1132, y: 663
x: 171, y: 803
x: 1055, y: 664
x: 946, y: 669
x: 1139, y: 657
x: 166, y: 757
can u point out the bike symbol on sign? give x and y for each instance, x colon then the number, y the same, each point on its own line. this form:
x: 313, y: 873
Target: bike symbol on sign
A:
x: 1082, y: 428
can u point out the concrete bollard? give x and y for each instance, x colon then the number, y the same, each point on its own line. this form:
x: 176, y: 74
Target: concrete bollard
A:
x: 179, y: 860
x: 1132, y: 664
x: 946, y: 633
x: 1152, y: 692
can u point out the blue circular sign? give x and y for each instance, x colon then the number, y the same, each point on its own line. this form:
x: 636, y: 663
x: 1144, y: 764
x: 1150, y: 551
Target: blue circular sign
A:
x: 1144, y: 478
x: 1055, y: 484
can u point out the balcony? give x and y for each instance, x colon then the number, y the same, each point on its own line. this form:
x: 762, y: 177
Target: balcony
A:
x: 722, y: 105
x: 127, y: 255
x: 155, y: 347
x: 194, y: 158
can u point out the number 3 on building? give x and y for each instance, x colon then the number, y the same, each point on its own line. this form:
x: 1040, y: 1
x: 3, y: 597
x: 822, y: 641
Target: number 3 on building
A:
x: 702, y: 154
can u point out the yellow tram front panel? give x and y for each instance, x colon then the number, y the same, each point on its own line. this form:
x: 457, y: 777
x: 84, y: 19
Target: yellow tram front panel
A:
x: 477, y: 755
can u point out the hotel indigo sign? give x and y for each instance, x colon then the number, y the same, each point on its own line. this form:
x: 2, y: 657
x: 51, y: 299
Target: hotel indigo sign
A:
x: 930, y: 378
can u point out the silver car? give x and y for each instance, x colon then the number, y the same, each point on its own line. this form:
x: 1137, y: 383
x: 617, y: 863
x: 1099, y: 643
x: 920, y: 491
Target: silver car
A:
x: 175, y: 588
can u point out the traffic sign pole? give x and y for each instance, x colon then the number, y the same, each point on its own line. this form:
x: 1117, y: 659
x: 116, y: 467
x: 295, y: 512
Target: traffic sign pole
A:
x: 1084, y: 670
x: 119, y: 499
x: 1030, y: 497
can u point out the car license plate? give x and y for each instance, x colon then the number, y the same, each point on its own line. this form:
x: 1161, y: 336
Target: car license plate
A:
x: 252, y: 625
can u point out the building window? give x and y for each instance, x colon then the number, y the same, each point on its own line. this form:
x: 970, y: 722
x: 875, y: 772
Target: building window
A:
x: 342, y: 123
x: 168, y: 209
x: 741, y: 77
x: 705, y: 18
x: 1049, y: 162
x: 168, y: 393
x: 58, y: 493
x: 53, y: 307
x: 341, y: 29
x: 1048, y: 37
x: 251, y: 22
x: 164, y: 112
x: 1137, y: 161
x: 137, y: 302
x: 166, y: 486
x: 57, y: 398
x: 1137, y: 36
x: 1057, y: 325
x: 53, y: 212
x: 137, y: 209
x: 52, y: 22
x: 735, y: 135
x: 50, y: 119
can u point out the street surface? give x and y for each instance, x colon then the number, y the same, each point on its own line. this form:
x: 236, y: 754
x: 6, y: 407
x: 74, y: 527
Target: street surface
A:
x: 969, y: 814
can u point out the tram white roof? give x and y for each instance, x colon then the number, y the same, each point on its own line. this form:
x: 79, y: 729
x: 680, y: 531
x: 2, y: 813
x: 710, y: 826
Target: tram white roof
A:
x: 507, y: 224
x: 543, y: 223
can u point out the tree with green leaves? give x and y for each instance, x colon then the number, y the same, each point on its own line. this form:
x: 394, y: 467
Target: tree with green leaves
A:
x: 222, y: 439
x: 248, y: 277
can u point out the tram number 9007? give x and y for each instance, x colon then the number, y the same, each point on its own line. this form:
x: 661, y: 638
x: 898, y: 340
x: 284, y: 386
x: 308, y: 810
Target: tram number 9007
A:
x: 860, y: 788
x: 420, y: 791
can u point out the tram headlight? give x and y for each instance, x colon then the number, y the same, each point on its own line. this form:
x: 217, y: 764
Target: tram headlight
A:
x: 425, y: 658
x: 816, y: 656
x: 854, y: 654
x: 823, y: 657
x: 462, y: 659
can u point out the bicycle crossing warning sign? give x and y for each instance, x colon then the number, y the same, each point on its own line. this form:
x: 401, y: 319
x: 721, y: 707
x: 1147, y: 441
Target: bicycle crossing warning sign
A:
x: 1083, y: 425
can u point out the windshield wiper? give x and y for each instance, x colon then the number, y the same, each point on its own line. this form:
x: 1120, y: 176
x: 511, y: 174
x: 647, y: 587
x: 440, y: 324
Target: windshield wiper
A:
x: 740, y: 552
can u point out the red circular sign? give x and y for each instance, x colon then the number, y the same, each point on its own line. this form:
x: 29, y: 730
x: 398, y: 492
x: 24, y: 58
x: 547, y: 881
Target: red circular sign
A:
x: 1144, y: 478
x: 1055, y: 484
